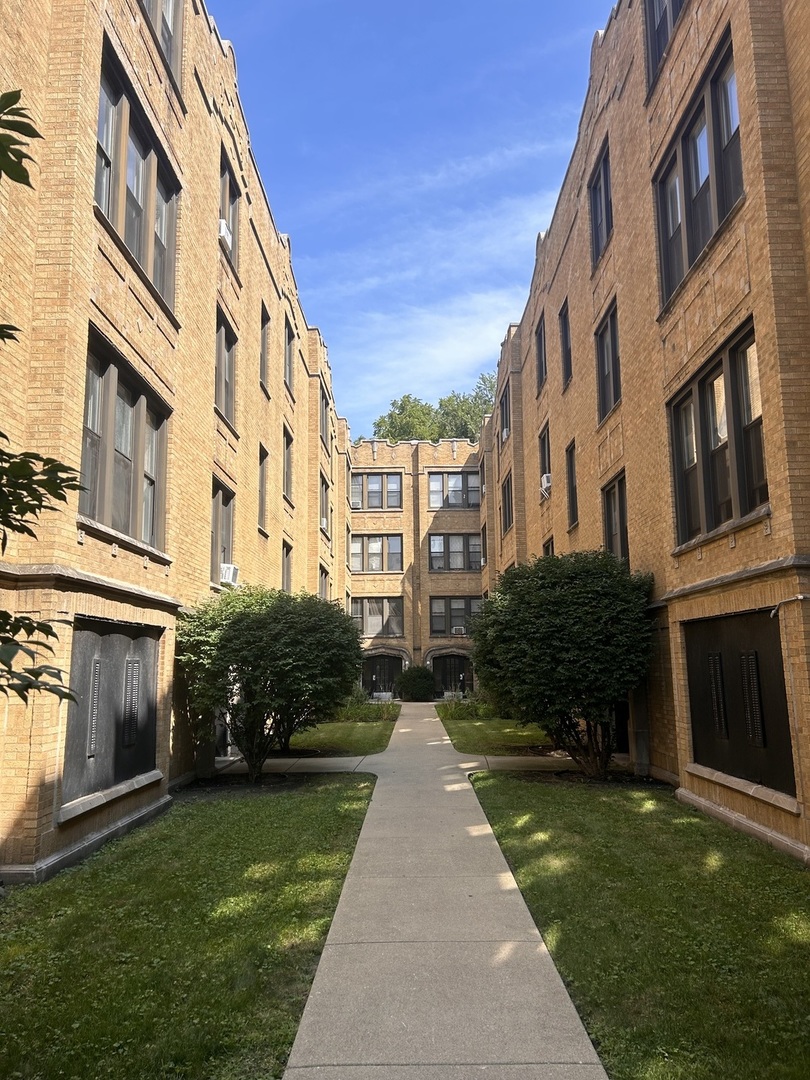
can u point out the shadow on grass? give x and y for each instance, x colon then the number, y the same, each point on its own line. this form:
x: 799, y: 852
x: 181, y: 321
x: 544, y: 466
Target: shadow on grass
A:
x: 684, y: 945
x: 186, y: 949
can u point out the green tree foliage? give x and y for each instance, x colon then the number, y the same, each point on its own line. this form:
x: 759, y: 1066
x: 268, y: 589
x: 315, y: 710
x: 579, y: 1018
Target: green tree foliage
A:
x: 457, y: 416
x: 416, y: 683
x: 562, y: 639
x: 29, y: 483
x: 274, y: 662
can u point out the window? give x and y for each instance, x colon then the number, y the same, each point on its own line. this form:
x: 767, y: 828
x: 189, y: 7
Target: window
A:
x: 454, y: 490
x: 614, y: 509
x: 540, y: 348
x: 571, y: 481
x: 324, y: 505
x: 224, y: 373
x: 483, y: 545
x: 607, y: 364
x: 701, y: 179
x: 286, y: 566
x: 719, y: 458
x: 324, y: 418
x: 601, y: 207
x: 228, y: 211
x: 324, y: 588
x: 288, y: 466
x: 565, y: 346
x: 375, y: 554
x: 450, y: 615
x: 456, y: 551
x: 544, y: 445
x: 378, y: 616
x: 222, y: 502
x: 548, y: 547
x: 506, y: 414
x: 506, y: 505
x: 166, y: 18
x: 264, y: 347
x: 661, y: 16
x: 262, y: 488
x: 289, y: 354
x: 376, y: 491
x: 123, y: 452
x: 134, y: 187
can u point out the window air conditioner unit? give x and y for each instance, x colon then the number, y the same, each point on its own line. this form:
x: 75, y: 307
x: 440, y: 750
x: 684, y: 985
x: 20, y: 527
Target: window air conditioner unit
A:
x: 483, y: 489
x: 459, y: 631
x: 545, y: 485
x: 483, y: 563
x: 228, y: 573
x: 505, y: 434
x: 325, y: 524
x: 356, y: 504
x: 225, y: 234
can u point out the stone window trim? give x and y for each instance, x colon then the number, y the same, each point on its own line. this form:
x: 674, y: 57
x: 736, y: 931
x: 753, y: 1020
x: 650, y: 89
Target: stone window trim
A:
x: 71, y: 810
x: 756, y: 791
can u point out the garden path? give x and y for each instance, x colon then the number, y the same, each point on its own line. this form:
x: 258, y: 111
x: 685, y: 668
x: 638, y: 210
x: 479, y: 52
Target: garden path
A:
x: 433, y: 968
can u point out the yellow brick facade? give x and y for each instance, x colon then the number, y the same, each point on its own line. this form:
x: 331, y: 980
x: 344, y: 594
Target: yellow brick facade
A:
x: 73, y: 284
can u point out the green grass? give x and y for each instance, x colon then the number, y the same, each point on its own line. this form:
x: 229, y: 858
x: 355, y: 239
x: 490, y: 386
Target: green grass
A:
x: 187, y: 948
x: 685, y: 945
x: 345, y: 739
x: 472, y: 733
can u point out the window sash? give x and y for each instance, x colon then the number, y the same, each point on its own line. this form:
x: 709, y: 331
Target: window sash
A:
x: 506, y: 505
x: 571, y: 484
x: 565, y: 345
x: 607, y: 351
x: 540, y: 349
x: 454, y: 490
x: 545, y: 451
x: 447, y: 612
x: 288, y: 465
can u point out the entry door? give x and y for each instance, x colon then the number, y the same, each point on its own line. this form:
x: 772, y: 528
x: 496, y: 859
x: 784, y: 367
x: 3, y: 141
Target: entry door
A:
x: 453, y: 674
x: 380, y: 673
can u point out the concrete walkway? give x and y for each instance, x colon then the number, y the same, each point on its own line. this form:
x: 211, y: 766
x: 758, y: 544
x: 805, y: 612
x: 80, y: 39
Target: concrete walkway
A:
x: 433, y: 968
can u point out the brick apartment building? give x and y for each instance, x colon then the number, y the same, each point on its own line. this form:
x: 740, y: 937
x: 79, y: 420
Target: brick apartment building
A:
x: 653, y: 398
x: 165, y: 352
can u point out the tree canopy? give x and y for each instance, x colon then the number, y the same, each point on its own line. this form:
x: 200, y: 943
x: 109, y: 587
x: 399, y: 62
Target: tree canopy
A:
x: 273, y: 662
x: 562, y: 639
x: 457, y: 416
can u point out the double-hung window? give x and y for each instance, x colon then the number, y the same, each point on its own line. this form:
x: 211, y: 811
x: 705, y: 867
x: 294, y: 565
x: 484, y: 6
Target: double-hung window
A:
x: 701, y: 179
x: 718, y: 452
x: 288, y: 466
x: 452, y: 614
x: 607, y: 363
x: 458, y: 490
x: 166, y: 17
x: 540, y: 349
x: 264, y: 347
x: 222, y: 506
x: 376, y: 554
x: 229, y: 196
x: 376, y: 491
x: 455, y: 551
x: 289, y: 354
x: 378, y: 616
x: 326, y: 514
x: 506, y: 414
x: 286, y: 566
x: 507, y: 511
x: 262, y: 518
x: 566, y: 354
x: 614, y: 510
x: 601, y: 206
x: 661, y: 16
x: 225, y: 368
x: 324, y: 418
x: 571, y: 483
x: 544, y: 447
x: 135, y: 189
x: 123, y: 452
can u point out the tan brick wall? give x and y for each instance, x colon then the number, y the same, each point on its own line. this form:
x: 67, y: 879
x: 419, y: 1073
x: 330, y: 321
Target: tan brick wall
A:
x: 65, y: 270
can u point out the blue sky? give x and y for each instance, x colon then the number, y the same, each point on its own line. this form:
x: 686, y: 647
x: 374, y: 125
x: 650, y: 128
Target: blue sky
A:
x: 413, y: 151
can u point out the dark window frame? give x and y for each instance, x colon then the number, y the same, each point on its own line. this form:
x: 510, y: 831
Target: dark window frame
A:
x: 660, y: 27
x: 225, y: 368
x: 471, y: 561
x: 286, y: 566
x: 230, y: 197
x: 701, y: 179
x: 168, y: 30
x: 262, y: 507
x: 222, y: 530
x: 601, y: 201
x: 614, y: 516
x: 289, y: 355
x: 145, y: 218
x: 390, y: 494
x: 287, y: 464
x: 571, y: 483
x: 441, y: 624
x: 566, y: 349
x: 470, y: 484
x: 608, y: 369
x: 392, y: 623
x: 507, y: 505
x: 264, y: 347
x: 541, y: 358
x: 718, y: 461
x: 103, y: 459
x: 391, y: 559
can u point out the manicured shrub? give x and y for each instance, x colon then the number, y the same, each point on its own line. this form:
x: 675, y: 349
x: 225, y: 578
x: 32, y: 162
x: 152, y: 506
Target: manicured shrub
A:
x: 416, y: 683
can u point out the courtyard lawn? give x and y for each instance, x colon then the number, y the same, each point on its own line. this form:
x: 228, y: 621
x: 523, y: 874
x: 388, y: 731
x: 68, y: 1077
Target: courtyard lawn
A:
x: 187, y: 948
x: 470, y: 733
x: 345, y: 738
x: 685, y: 945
